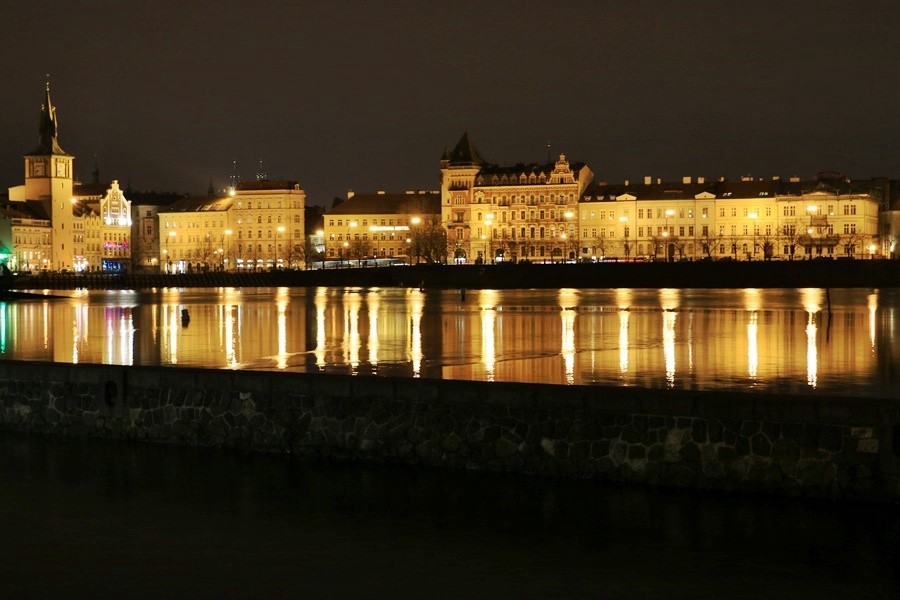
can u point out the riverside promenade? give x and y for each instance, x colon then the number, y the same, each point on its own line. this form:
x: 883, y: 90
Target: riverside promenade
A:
x: 781, y: 274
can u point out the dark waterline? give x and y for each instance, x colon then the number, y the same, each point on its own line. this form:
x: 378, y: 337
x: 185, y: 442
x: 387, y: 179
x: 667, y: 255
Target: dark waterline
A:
x: 103, y: 519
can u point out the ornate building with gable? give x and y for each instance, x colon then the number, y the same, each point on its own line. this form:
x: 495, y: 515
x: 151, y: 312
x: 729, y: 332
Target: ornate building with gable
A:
x: 524, y: 211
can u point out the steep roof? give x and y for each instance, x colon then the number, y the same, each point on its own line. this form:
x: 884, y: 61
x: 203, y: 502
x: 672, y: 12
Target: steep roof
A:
x: 388, y: 204
x: 265, y: 184
x: 203, y: 204
x: 465, y: 153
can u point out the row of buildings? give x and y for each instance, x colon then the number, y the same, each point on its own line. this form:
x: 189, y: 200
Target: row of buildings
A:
x: 481, y: 212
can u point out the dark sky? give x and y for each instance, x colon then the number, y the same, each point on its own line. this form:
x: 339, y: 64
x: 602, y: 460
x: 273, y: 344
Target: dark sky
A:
x: 365, y: 95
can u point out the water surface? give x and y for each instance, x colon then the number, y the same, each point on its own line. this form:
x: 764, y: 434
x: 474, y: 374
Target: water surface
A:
x: 808, y: 341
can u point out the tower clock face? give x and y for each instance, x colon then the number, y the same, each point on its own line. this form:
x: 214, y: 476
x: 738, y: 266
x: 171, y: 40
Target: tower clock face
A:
x: 39, y: 170
x: 60, y: 169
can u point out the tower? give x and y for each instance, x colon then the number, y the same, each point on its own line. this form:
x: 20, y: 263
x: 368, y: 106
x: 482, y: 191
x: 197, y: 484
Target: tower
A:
x: 48, y: 179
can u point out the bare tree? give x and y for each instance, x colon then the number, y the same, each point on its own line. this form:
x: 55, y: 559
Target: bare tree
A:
x: 790, y: 235
x: 853, y: 243
x: 657, y: 243
x: 708, y: 241
x: 359, y: 249
x: 427, y: 237
x: 204, y: 250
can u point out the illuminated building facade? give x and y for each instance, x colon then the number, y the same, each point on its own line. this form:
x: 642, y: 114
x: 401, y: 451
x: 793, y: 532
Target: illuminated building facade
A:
x: 258, y: 226
x: 55, y: 224
x: 195, y: 235
x: 742, y: 220
x: 268, y: 222
x: 387, y: 226
x: 524, y: 211
x: 103, y: 227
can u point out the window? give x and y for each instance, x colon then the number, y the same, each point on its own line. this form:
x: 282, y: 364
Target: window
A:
x: 849, y: 209
x: 721, y: 211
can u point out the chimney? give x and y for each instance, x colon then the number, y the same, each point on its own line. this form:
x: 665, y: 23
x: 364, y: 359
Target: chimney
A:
x: 381, y: 192
x: 686, y: 180
x: 795, y: 179
x: 776, y: 178
x: 349, y: 194
x: 648, y: 180
x: 701, y: 179
x: 658, y: 181
x: 626, y: 183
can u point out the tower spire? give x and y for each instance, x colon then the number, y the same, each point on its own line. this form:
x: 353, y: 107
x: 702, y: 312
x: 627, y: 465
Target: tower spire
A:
x: 49, y: 127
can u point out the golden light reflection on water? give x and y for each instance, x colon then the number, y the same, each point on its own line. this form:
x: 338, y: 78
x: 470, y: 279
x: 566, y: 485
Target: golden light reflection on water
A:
x: 752, y: 305
x: 417, y: 303
x: 487, y: 300
x: 784, y: 339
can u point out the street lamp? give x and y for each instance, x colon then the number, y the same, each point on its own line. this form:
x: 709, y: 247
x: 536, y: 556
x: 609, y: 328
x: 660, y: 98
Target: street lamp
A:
x: 345, y: 248
x: 227, y: 242
x: 669, y: 212
x: 753, y: 221
x: 415, y: 235
x: 321, y: 234
x: 169, y: 257
x: 352, y: 225
x: 624, y: 221
x: 488, y: 249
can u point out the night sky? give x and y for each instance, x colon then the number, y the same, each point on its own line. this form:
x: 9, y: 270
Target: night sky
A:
x: 365, y: 95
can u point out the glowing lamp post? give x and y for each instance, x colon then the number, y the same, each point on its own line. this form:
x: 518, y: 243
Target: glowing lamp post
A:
x: 753, y: 222
x: 415, y: 235
x: 669, y: 213
x: 321, y: 234
x: 166, y: 252
x: 624, y: 221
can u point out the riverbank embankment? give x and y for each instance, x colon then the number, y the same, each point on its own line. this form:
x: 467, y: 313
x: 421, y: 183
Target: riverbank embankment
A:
x: 790, y: 445
x: 754, y: 274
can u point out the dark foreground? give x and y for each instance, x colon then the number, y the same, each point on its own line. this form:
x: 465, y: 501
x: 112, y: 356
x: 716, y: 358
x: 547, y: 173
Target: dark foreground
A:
x: 782, y: 274
x: 105, y: 519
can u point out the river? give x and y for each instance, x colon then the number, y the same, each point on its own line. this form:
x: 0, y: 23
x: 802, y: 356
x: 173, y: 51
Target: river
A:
x: 99, y: 519
x: 806, y: 341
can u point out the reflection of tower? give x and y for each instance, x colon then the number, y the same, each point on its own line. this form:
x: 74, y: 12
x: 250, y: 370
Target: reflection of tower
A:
x: 432, y: 333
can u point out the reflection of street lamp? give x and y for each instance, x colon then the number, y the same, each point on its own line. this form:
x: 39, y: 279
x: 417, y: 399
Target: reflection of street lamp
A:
x: 624, y: 221
x: 669, y: 212
x: 753, y: 221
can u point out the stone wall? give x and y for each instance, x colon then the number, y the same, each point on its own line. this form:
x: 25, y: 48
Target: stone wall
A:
x: 822, y: 446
